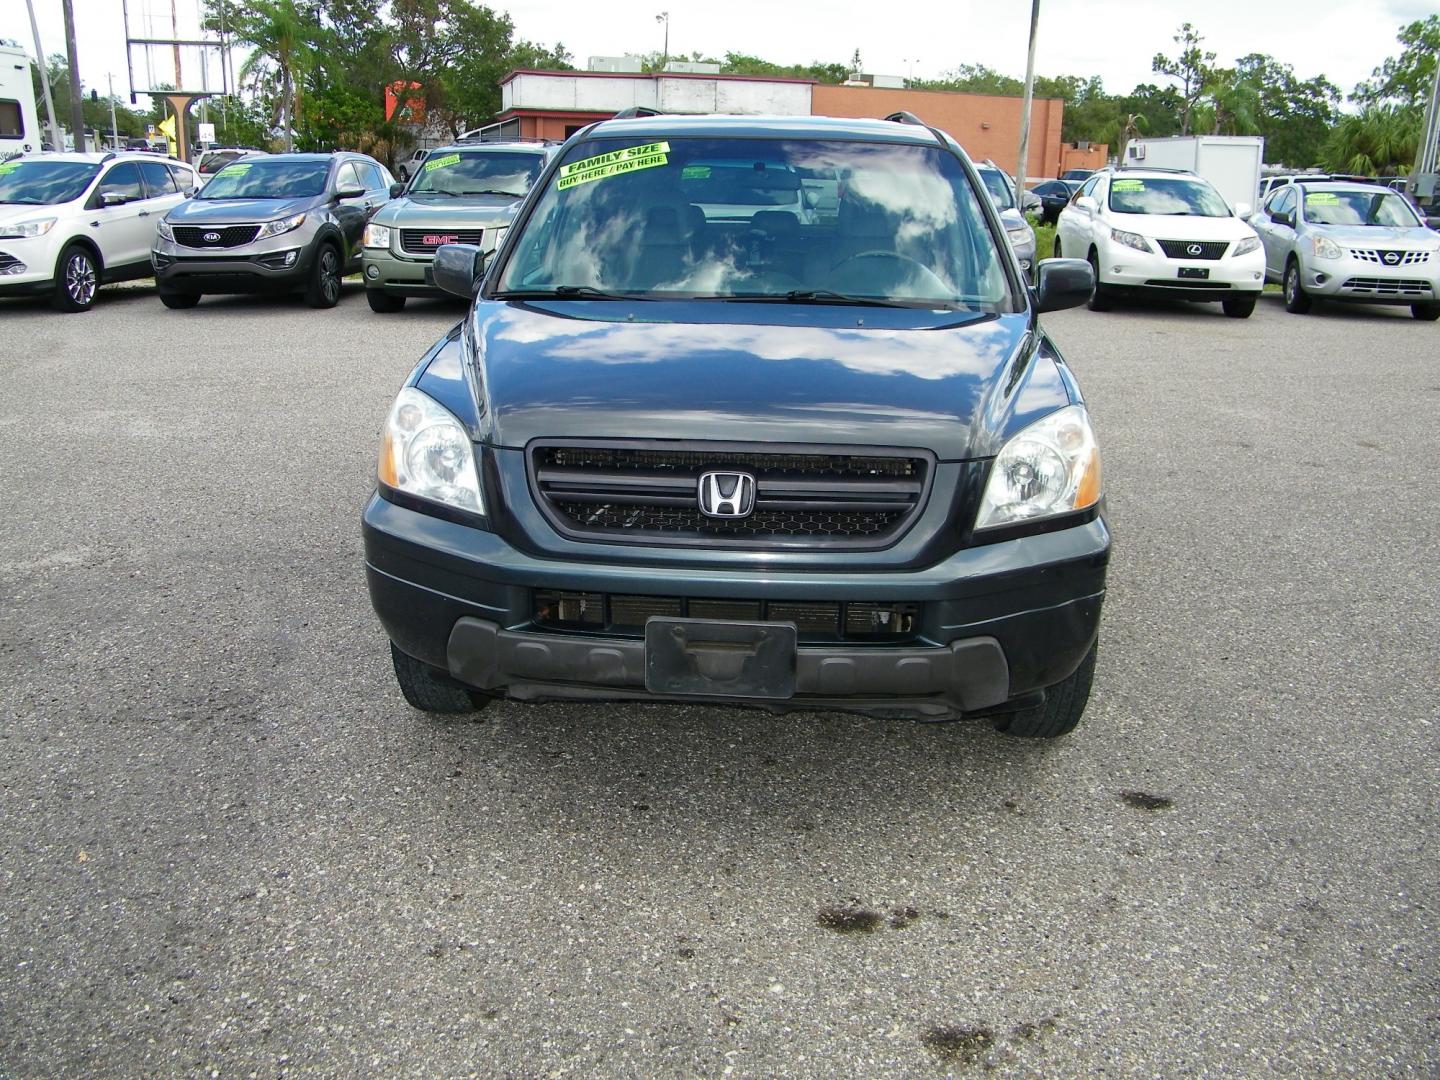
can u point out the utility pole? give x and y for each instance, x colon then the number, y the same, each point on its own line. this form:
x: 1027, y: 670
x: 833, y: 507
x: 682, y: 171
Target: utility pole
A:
x: 77, y: 110
x: 664, y: 17
x: 175, y: 31
x: 1025, y: 114
x: 1429, y: 150
x: 56, y: 140
x: 114, y: 128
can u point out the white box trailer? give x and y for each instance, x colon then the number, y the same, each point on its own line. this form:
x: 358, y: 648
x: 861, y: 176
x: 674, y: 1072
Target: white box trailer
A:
x: 1230, y: 162
x: 19, y: 125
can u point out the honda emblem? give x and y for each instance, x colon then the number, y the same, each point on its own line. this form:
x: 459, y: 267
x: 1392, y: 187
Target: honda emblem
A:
x: 727, y: 494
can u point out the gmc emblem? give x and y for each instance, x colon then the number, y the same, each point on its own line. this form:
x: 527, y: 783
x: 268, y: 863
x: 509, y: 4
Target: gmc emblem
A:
x: 436, y: 239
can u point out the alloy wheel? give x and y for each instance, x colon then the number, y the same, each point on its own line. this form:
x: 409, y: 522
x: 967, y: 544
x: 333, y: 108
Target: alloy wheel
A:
x: 80, y: 279
x: 330, y: 274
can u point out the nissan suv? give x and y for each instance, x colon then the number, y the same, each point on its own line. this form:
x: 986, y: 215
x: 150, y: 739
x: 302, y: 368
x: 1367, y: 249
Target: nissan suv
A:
x: 763, y: 461
x: 460, y: 194
x: 277, y: 223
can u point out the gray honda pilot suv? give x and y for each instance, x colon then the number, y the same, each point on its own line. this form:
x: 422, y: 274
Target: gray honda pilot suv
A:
x: 692, y: 445
x: 274, y: 223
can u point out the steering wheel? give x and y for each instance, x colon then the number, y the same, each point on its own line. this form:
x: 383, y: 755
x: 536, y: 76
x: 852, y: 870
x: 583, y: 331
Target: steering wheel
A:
x: 922, y: 272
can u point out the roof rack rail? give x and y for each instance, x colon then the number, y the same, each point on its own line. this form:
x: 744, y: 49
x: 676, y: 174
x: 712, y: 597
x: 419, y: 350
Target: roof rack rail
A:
x: 108, y: 155
x: 635, y: 111
x: 1152, y: 168
x: 904, y: 117
x: 468, y: 137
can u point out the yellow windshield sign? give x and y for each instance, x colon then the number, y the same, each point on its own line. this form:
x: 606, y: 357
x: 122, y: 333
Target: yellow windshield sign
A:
x: 614, y: 163
x: 1129, y: 185
x: 1322, y: 198
x: 442, y: 162
x: 234, y: 170
x: 8, y: 166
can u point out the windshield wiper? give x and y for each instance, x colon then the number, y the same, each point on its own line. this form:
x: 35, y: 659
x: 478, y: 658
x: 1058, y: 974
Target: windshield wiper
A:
x: 436, y: 191
x: 494, y: 191
x: 567, y: 292
x: 827, y: 296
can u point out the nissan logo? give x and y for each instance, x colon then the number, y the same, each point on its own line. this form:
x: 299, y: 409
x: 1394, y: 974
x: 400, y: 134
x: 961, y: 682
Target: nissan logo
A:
x: 1195, y: 249
x: 727, y: 494
x: 211, y: 238
x: 1391, y: 258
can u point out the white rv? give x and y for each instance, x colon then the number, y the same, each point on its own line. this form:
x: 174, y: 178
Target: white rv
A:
x: 19, y: 125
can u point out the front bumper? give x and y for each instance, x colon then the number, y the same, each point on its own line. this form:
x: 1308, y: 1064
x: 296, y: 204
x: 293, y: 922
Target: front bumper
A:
x: 276, y: 264
x: 1365, y: 282
x: 998, y: 625
x: 404, y: 276
x: 1155, y: 272
x: 27, y: 265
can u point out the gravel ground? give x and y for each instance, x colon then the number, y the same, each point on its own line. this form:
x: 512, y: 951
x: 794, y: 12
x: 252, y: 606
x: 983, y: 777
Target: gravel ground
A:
x: 227, y: 847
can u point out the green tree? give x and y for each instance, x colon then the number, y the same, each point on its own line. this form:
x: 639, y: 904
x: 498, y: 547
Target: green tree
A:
x: 1295, y: 115
x: 283, y: 35
x: 1379, y: 141
x: 1229, y: 103
x: 1190, y: 69
x: 1408, y: 78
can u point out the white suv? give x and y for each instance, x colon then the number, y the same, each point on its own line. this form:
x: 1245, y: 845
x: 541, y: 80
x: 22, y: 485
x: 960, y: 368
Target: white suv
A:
x: 1163, y: 232
x: 70, y: 223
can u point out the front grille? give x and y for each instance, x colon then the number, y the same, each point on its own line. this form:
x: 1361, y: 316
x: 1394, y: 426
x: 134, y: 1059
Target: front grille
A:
x: 815, y: 620
x: 1418, y: 288
x: 226, y: 236
x: 425, y: 241
x: 1401, y: 258
x: 1207, y: 249
x: 650, y: 493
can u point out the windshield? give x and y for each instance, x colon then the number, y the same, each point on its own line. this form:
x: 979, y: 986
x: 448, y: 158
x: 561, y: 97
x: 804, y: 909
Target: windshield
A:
x: 997, y: 186
x: 267, y: 180
x: 211, y: 163
x: 1178, y: 196
x: 1380, y: 208
x: 622, y: 218
x: 477, y: 173
x: 43, y: 183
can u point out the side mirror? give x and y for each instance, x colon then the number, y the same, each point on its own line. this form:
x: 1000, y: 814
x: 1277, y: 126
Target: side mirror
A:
x: 1242, y: 209
x: 1062, y: 283
x: 1283, y: 217
x: 114, y: 198
x: 341, y: 194
x: 396, y: 190
x: 458, y: 268
x: 1087, y: 202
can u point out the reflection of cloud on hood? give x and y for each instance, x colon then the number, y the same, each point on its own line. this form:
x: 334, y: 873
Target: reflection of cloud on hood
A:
x: 976, y: 349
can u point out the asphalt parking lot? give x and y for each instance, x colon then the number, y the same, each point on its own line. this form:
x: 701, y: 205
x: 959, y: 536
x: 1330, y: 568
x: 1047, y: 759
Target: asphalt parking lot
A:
x: 228, y: 848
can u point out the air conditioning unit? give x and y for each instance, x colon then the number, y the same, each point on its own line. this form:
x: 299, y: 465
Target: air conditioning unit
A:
x: 1135, y: 153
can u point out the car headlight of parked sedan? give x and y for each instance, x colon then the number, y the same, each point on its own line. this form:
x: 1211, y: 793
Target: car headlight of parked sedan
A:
x: 377, y: 236
x: 1051, y: 467
x: 166, y: 233
x: 1130, y: 239
x: 1325, y: 248
x: 25, y: 229
x: 1244, y: 247
x: 427, y: 453
x: 280, y: 225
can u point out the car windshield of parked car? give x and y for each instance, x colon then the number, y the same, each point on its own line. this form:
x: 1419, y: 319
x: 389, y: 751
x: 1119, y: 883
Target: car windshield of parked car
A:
x: 1380, y: 208
x: 213, y: 163
x: 43, y: 183
x: 620, y: 217
x: 998, y: 188
x: 267, y: 180
x: 493, y: 172
x: 1177, y: 196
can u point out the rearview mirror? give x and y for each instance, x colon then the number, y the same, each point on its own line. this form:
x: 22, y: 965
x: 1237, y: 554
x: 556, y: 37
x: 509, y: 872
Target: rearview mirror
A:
x: 396, y: 190
x: 341, y: 194
x: 459, y: 268
x: 1062, y: 283
x: 1242, y: 209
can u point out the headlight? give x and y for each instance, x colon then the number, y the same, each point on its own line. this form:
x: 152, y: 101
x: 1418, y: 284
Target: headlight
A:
x: 284, y: 225
x: 1244, y: 247
x: 426, y: 452
x: 26, y: 229
x: 377, y: 236
x: 166, y: 233
x: 1130, y: 239
x: 1325, y: 248
x: 1050, y: 468
x: 1018, y: 236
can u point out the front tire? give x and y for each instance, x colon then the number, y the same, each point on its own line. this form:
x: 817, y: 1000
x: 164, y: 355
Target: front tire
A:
x: 1297, y: 300
x: 1099, y: 296
x: 1064, y: 706
x: 383, y: 302
x: 323, y: 290
x: 1238, y: 307
x: 1425, y: 312
x: 430, y: 689
x: 77, y: 280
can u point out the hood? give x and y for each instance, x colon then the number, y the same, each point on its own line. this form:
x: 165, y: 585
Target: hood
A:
x: 423, y: 213
x: 1367, y: 236
x: 1182, y: 227
x: 955, y: 383
x: 237, y: 211
x: 11, y: 213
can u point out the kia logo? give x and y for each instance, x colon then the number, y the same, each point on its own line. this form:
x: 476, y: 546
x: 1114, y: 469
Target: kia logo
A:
x: 1195, y: 249
x: 1391, y: 257
x: 211, y: 238
x: 436, y: 239
x: 727, y: 494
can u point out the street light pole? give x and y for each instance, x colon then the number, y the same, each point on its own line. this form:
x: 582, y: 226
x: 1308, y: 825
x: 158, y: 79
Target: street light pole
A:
x: 55, y: 140
x: 1025, y: 114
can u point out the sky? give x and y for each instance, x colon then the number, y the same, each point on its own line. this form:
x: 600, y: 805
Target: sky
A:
x: 1341, y: 39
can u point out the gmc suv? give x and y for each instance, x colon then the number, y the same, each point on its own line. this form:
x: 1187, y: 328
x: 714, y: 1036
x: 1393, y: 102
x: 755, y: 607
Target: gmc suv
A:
x: 670, y: 456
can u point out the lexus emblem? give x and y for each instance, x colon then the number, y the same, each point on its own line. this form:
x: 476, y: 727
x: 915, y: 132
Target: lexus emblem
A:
x: 1195, y: 249
x: 211, y: 238
x: 1391, y: 258
x: 727, y: 494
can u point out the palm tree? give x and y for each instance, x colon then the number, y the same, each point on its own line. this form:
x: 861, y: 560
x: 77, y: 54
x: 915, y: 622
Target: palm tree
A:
x: 1133, y: 125
x: 1380, y: 141
x: 282, y: 37
x: 1232, y: 101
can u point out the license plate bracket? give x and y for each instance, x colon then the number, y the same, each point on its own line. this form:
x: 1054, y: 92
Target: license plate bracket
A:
x: 1195, y: 272
x: 714, y: 658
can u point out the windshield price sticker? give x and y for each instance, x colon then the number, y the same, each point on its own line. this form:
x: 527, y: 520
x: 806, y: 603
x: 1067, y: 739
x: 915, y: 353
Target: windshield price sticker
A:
x: 235, y: 170
x: 1128, y: 185
x: 8, y: 166
x: 695, y: 172
x: 442, y: 162
x: 1322, y: 198
x: 613, y: 164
